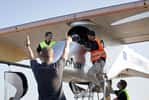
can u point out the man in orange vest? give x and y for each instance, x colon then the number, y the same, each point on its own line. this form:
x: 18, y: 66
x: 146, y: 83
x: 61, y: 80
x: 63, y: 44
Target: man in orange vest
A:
x: 98, y: 55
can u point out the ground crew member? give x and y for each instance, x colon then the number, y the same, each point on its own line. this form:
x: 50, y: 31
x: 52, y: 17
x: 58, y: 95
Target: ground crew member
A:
x: 96, y: 48
x: 47, y: 42
x: 49, y: 75
x: 97, y: 51
x: 121, y: 94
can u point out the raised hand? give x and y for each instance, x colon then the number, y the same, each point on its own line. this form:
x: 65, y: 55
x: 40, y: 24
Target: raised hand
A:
x: 30, y: 52
x: 28, y: 41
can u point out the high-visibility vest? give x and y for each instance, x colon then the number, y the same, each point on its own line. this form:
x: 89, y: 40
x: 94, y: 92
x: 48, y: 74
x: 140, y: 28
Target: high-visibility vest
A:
x: 95, y: 54
x: 103, y: 56
x: 126, y: 93
x: 43, y: 44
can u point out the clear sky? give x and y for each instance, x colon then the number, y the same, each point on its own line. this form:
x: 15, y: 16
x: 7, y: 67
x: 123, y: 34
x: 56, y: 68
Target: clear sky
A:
x: 14, y: 12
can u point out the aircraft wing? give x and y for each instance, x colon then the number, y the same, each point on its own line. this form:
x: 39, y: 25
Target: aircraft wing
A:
x: 12, y: 38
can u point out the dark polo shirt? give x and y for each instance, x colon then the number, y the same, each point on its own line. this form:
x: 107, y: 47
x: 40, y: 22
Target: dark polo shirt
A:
x: 49, y: 79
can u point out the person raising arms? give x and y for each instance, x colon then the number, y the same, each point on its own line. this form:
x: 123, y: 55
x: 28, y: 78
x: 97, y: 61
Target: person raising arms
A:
x: 48, y: 75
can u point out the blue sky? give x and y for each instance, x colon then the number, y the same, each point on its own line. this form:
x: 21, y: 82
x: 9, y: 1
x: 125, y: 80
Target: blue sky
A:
x: 15, y: 12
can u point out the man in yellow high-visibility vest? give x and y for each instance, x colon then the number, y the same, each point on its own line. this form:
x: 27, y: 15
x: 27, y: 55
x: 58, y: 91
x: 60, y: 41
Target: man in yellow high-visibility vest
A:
x: 121, y: 94
x: 47, y: 42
